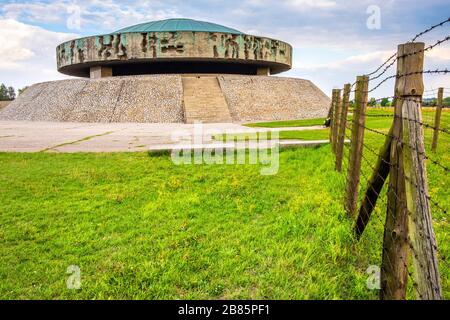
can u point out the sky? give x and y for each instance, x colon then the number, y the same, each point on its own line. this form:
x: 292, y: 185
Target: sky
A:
x: 333, y: 40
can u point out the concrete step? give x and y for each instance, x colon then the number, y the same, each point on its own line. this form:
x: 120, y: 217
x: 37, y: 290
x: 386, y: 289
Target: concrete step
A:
x: 204, y: 101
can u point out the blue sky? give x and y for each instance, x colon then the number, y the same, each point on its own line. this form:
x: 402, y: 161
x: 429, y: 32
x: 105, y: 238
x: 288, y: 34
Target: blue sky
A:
x: 331, y: 40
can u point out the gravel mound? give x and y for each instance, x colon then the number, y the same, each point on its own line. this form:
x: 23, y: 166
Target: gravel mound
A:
x: 159, y: 99
x: 154, y: 99
x: 256, y: 98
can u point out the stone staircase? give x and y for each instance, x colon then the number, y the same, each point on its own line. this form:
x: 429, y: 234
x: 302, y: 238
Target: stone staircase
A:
x: 204, y: 101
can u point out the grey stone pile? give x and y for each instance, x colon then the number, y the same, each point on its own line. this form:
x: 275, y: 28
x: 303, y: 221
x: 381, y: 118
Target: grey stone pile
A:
x: 159, y: 99
x: 155, y: 99
x: 256, y: 98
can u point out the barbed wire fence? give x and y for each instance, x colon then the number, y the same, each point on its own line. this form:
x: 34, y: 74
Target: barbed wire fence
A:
x: 388, y: 169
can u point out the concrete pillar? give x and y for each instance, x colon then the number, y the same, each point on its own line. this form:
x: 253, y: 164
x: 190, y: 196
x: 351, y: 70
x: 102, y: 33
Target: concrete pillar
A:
x: 101, y: 72
x: 263, y: 71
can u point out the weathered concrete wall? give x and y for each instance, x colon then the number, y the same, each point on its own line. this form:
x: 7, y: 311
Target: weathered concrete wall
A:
x: 122, y: 99
x: 255, y: 98
x: 129, y: 47
x: 3, y: 104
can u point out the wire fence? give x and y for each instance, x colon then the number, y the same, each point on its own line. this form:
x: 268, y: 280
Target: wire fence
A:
x: 394, y: 164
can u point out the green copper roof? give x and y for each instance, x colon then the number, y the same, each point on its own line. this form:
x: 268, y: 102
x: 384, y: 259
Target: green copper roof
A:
x: 171, y: 25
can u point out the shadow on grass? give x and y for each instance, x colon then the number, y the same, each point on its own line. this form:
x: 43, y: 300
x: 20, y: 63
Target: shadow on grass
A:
x: 158, y: 153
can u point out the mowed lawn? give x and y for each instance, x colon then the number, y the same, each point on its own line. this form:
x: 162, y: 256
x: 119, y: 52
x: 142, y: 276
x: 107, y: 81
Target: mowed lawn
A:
x: 289, y: 123
x: 140, y: 227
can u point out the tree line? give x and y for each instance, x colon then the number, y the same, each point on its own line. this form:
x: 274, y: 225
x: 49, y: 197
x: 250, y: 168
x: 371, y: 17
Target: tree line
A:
x: 386, y: 102
x: 7, y: 93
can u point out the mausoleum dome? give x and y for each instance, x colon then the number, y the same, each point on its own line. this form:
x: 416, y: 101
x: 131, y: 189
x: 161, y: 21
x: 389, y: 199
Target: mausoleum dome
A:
x: 173, y: 25
x: 173, y: 46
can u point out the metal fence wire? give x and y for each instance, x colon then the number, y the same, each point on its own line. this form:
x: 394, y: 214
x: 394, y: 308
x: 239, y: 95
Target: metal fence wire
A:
x: 393, y: 170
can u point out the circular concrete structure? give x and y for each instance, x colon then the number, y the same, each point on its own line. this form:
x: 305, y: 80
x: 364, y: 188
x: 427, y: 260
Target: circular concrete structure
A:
x: 171, y: 71
x: 173, y: 46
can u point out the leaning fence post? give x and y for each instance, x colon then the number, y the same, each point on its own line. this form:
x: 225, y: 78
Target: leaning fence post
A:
x: 342, y: 127
x: 420, y: 224
x: 356, y: 147
x: 375, y: 184
x: 437, y: 120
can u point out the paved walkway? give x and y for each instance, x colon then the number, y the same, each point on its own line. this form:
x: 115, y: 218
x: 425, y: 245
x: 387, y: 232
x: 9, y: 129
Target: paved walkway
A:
x: 24, y: 136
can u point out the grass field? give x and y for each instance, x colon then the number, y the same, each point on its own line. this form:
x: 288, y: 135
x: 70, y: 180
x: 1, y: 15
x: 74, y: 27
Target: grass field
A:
x: 290, y: 123
x: 140, y: 227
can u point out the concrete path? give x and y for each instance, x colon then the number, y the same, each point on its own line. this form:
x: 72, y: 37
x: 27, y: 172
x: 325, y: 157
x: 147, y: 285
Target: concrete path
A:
x: 24, y: 136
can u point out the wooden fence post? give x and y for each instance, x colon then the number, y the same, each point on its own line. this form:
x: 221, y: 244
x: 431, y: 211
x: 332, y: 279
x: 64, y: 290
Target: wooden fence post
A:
x: 394, y: 265
x: 420, y: 224
x: 437, y: 120
x: 342, y: 127
x: 336, y: 118
x: 331, y: 115
x: 356, y: 147
x: 333, y: 118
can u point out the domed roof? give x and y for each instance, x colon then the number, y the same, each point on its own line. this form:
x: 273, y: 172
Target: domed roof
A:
x: 171, y: 25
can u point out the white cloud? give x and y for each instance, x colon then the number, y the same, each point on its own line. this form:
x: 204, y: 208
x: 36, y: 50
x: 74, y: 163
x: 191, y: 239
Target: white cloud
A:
x: 331, y: 41
x: 364, y: 61
x: 338, y: 72
x: 35, y: 12
x: 297, y: 4
x: 105, y: 15
x: 439, y: 53
x: 28, y: 52
x: 308, y: 4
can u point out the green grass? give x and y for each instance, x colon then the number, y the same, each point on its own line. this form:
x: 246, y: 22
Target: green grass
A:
x: 290, y: 123
x: 140, y: 227
x: 306, y: 135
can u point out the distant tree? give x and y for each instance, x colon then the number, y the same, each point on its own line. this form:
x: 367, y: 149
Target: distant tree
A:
x: 385, y: 102
x: 446, y: 102
x: 3, y: 92
x: 11, y: 93
x: 22, y: 90
x: 429, y: 102
x: 433, y: 102
x: 352, y: 104
x: 7, y: 93
x: 372, y: 102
